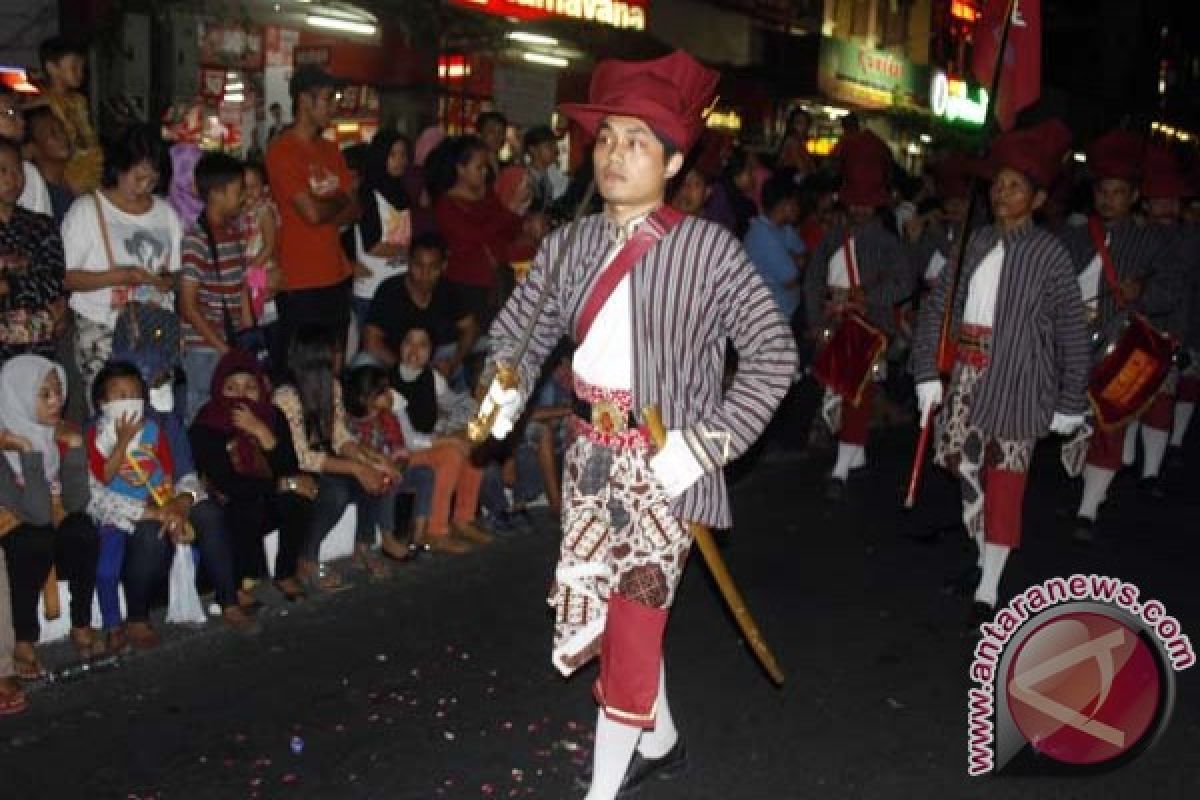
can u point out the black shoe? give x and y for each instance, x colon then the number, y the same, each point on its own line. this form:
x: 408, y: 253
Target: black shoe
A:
x: 1085, y: 530
x: 642, y: 770
x: 965, y: 582
x: 1152, y: 488
x: 979, y: 613
x: 835, y: 490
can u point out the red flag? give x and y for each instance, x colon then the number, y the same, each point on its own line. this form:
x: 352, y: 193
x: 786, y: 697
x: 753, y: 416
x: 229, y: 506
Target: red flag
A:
x: 1021, y: 68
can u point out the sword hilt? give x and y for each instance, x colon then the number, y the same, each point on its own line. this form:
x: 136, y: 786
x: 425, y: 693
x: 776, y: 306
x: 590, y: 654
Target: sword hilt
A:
x: 480, y: 426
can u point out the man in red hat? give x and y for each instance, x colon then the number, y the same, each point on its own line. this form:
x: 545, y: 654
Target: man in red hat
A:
x: 1020, y: 345
x: 650, y: 297
x: 859, y: 267
x: 1123, y: 266
x: 1164, y: 424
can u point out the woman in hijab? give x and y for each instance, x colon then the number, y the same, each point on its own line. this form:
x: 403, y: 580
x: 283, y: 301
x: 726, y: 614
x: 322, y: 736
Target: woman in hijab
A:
x: 43, y: 497
x: 243, y: 448
x: 384, y: 230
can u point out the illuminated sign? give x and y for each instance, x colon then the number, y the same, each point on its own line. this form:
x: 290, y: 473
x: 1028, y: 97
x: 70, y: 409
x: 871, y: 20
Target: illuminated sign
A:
x: 724, y: 120
x: 617, y: 13
x: 951, y: 99
x: 866, y: 77
x: 964, y: 9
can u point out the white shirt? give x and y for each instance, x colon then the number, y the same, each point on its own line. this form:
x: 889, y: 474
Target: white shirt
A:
x: 150, y: 241
x: 35, y: 196
x: 605, y: 356
x: 396, y: 228
x: 984, y: 287
x: 839, y: 274
x: 1089, y: 282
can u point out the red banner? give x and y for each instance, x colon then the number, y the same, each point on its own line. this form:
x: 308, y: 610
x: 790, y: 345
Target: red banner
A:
x: 1021, y: 65
x: 617, y: 13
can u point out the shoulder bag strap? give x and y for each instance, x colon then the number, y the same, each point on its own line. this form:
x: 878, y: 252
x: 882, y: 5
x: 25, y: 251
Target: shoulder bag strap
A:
x: 108, y: 251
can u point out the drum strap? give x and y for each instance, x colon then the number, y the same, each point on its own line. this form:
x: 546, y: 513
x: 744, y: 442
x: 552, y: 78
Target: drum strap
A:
x: 851, y: 266
x: 1100, y: 242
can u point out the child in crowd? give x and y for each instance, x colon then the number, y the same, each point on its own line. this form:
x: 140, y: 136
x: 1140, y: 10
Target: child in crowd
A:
x: 369, y: 417
x: 259, y: 222
x: 64, y: 62
x: 433, y: 419
x: 213, y: 301
x: 34, y: 195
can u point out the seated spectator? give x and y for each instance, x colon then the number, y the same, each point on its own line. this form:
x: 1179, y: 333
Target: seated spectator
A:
x: 433, y: 419
x: 50, y: 150
x: 243, y: 449
x: 12, y: 699
x: 259, y: 222
x: 369, y: 416
x: 730, y: 203
x: 43, y: 504
x: 384, y: 231
x: 421, y: 299
x: 121, y: 244
x: 310, y: 398
x: 146, y: 498
x: 213, y: 299
x: 31, y: 262
x: 33, y: 196
x: 776, y: 249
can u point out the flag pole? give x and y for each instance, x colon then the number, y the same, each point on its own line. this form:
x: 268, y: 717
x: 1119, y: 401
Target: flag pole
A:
x: 942, y: 354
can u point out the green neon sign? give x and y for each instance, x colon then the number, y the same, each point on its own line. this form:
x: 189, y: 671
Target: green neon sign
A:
x: 952, y: 100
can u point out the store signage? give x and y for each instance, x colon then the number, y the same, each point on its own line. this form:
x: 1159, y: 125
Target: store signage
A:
x: 630, y: 14
x: 954, y: 101
x: 230, y: 46
x: 867, y: 77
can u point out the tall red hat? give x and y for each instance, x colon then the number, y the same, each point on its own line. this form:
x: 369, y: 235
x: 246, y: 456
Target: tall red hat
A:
x: 669, y: 94
x: 866, y: 165
x: 1036, y: 152
x: 952, y: 175
x: 1162, y: 176
x: 1117, y: 155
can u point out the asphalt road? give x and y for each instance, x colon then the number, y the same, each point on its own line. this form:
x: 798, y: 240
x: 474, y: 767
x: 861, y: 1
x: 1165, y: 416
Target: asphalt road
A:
x: 438, y: 685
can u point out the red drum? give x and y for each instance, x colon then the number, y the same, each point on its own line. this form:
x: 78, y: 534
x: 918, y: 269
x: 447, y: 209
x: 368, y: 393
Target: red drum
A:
x: 1134, y: 366
x: 844, y: 364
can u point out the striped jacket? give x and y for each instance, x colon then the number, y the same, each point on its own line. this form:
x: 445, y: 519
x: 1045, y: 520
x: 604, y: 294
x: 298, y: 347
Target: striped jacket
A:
x: 691, y: 293
x: 1139, y: 252
x: 884, y: 268
x: 1184, y: 244
x: 1039, y: 353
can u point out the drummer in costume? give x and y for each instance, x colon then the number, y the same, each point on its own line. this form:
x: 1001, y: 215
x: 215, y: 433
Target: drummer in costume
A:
x: 1122, y: 266
x: 861, y: 268
x: 1020, y: 344
x: 650, y: 329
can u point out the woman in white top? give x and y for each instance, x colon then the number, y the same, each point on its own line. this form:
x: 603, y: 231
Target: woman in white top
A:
x: 140, y: 261
x: 384, y: 231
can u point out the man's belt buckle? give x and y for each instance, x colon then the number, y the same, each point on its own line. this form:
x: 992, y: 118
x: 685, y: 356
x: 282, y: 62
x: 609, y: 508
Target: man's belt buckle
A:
x: 607, y: 417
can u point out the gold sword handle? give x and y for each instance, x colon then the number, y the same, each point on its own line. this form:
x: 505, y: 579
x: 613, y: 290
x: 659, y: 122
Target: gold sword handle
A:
x: 480, y: 426
x: 720, y: 572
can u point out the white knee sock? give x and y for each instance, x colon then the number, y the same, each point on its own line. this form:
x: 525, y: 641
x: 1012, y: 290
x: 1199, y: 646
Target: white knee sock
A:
x: 615, y: 743
x: 1129, y: 447
x: 860, y: 458
x: 658, y: 742
x: 994, y: 556
x: 1183, y: 415
x: 1154, y: 442
x: 846, y: 455
x: 1096, y: 481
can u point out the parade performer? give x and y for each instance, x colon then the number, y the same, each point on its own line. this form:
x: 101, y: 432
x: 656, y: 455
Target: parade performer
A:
x: 650, y: 298
x: 1020, y: 344
x: 1123, y: 267
x: 859, y: 270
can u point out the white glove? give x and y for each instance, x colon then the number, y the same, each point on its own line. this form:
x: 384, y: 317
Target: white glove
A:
x: 507, y: 403
x: 1066, y: 424
x: 929, y: 397
x: 675, y: 466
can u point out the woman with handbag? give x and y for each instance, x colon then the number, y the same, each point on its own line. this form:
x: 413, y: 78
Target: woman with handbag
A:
x: 243, y: 449
x: 43, y: 499
x: 122, y: 253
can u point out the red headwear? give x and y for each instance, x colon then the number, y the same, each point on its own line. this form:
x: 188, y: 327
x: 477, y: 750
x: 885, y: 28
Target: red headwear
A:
x: 1162, y: 176
x: 1117, y: 155
x: 1036, y: 152
x: 217, y: 413
x: 952, y: 175
x: 669, y: 94
x: 866, y: 165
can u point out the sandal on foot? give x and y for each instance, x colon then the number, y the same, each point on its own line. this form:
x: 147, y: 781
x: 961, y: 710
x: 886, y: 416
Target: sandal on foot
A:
x: 87, y: 644
x: 142, y: 636
x: 27, y: 667
x: 118, y: 641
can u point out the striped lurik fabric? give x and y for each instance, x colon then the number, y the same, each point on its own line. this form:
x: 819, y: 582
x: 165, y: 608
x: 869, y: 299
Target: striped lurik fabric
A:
x: 1183, y: 243
x: 884, y: 268
x: 1039, y: 359
x: 692, y: 292
x: 1139, y: 252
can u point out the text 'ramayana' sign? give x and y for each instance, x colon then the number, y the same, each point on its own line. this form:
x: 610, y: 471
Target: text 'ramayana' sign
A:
x: 867, y: 77
x: 617, y: 13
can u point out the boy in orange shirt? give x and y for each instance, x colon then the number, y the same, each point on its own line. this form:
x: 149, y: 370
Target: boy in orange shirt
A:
x: 64, y: 62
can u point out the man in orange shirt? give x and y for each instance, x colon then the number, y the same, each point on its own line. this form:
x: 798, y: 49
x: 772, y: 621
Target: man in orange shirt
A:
x: 312, y: 186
